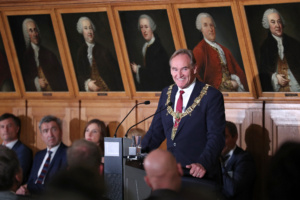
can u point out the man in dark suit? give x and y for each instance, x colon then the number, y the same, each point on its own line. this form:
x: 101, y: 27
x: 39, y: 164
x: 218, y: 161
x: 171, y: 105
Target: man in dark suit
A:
x: 238, y: 168
x: 194, y: 131
x: 96, y: 68
x: 10, y: 126
x: 40, y: 67
x: 51, y: 133
x: 153, y: 74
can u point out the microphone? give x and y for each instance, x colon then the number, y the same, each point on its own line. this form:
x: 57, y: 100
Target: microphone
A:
x: 145, y: 102
x: 169, y: 104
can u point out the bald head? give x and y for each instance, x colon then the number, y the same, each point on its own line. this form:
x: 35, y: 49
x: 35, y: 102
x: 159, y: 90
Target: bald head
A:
x: 162, y: 170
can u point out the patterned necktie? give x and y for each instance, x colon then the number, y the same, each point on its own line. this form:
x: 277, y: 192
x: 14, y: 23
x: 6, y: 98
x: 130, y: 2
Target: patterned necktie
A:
x: 178, y: 110
x: 45, y: 169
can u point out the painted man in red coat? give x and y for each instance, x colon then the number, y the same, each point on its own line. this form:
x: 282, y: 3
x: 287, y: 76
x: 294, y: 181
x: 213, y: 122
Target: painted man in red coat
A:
x: 216, y: 64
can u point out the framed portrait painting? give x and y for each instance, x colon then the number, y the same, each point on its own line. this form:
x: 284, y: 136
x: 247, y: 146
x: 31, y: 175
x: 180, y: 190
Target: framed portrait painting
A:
x: 37, y: 49
x: 148, y: 42
x: 274, y: 35
x: 6, y: 80
x: 211, y: 32
x: 95, y: 61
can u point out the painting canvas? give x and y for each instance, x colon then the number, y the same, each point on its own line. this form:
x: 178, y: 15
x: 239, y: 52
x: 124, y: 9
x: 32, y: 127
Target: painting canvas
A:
x: 149, y: 44
x: 211, y: 34
x: 93, y: 52
x: 276, y: 44
x: 37, y: 52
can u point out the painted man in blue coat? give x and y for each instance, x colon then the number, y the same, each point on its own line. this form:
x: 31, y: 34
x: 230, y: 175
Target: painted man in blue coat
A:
x: 195, y: 134
x: 10, y: 127
x: 51, y: 133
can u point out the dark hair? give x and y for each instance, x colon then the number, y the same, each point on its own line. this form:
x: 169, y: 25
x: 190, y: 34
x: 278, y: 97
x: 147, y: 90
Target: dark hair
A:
x: 103, y: 130
x: 231, y: 128
x: 84, y: 153
x: 14, y: 118
x: 9, y: 167
x: 50, y: 118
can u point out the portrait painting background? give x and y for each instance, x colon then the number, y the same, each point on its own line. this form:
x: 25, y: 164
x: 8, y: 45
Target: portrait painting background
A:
x: 225, y: 29
x: 47, y: 35
x: 102, y: 35
x: 9, y: 77
x: 133, y: 36
x: 254, y: 13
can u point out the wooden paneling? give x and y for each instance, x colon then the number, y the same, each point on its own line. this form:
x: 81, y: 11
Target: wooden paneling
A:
x: 282, y: 123
x: 111, y: 112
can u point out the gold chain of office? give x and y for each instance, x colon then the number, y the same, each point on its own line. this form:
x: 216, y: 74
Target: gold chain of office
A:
x: 190, y: 109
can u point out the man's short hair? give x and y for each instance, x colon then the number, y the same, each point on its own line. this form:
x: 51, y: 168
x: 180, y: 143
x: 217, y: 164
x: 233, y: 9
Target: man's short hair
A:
x: 25, y: 31
x: 151, y: 22
x: 9, y: 167
x: 265, y: 21
x: 198, y: 20
x: 84, y: 153
x: 50, y: 118
x: 231, y: 128
x: 79, y: 24
x: 16, y: 120
x: 187, y: 52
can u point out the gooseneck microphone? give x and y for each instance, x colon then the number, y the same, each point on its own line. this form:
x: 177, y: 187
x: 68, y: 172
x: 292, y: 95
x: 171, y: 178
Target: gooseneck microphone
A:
x: 169, y: 104
x: 145, y: 102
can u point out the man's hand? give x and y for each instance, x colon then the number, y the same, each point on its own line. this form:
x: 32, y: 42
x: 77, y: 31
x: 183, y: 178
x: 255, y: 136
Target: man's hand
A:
x: 92, y: 86
x: 134, y: 67
x: 43, y: 83
x: 22, y: 190
x: 282, y: 81
x: 234, y: 85
x: 196, y: 170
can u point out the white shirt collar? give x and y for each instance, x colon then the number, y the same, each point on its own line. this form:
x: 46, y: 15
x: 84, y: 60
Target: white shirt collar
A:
x: 53, y: 149
x: 11, y: 144
x: 147, y: 44
x: 217, y: 46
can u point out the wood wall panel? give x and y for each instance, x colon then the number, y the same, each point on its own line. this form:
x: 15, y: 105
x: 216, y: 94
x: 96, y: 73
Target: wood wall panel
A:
x: 243, y: 115
x: 111, y: 112
x: 282, y: 123
x: 67, y: 111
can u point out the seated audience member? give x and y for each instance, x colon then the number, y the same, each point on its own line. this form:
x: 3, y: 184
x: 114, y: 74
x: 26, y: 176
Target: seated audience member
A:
x: 49, y: 161
x: 136, y: 132
x: 238, y: 167
x: 85, y: 153
x: 284, y: 173
x: 10, y: 174
x: 76, y: 183
x: 163, y: 175
x: 95, y: 131
x: 82, y: 180
x: 10, y: 127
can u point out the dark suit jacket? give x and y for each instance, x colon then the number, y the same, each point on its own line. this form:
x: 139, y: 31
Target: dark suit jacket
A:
x: 239, y: 175
x: 269, y: 56
x: 58, y: 162
x: 107, y: 66
x: 200, y: 136
x: 25, y: 158
x: 155, y: 71
x: 51, y: 67
x: 164, y: 194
